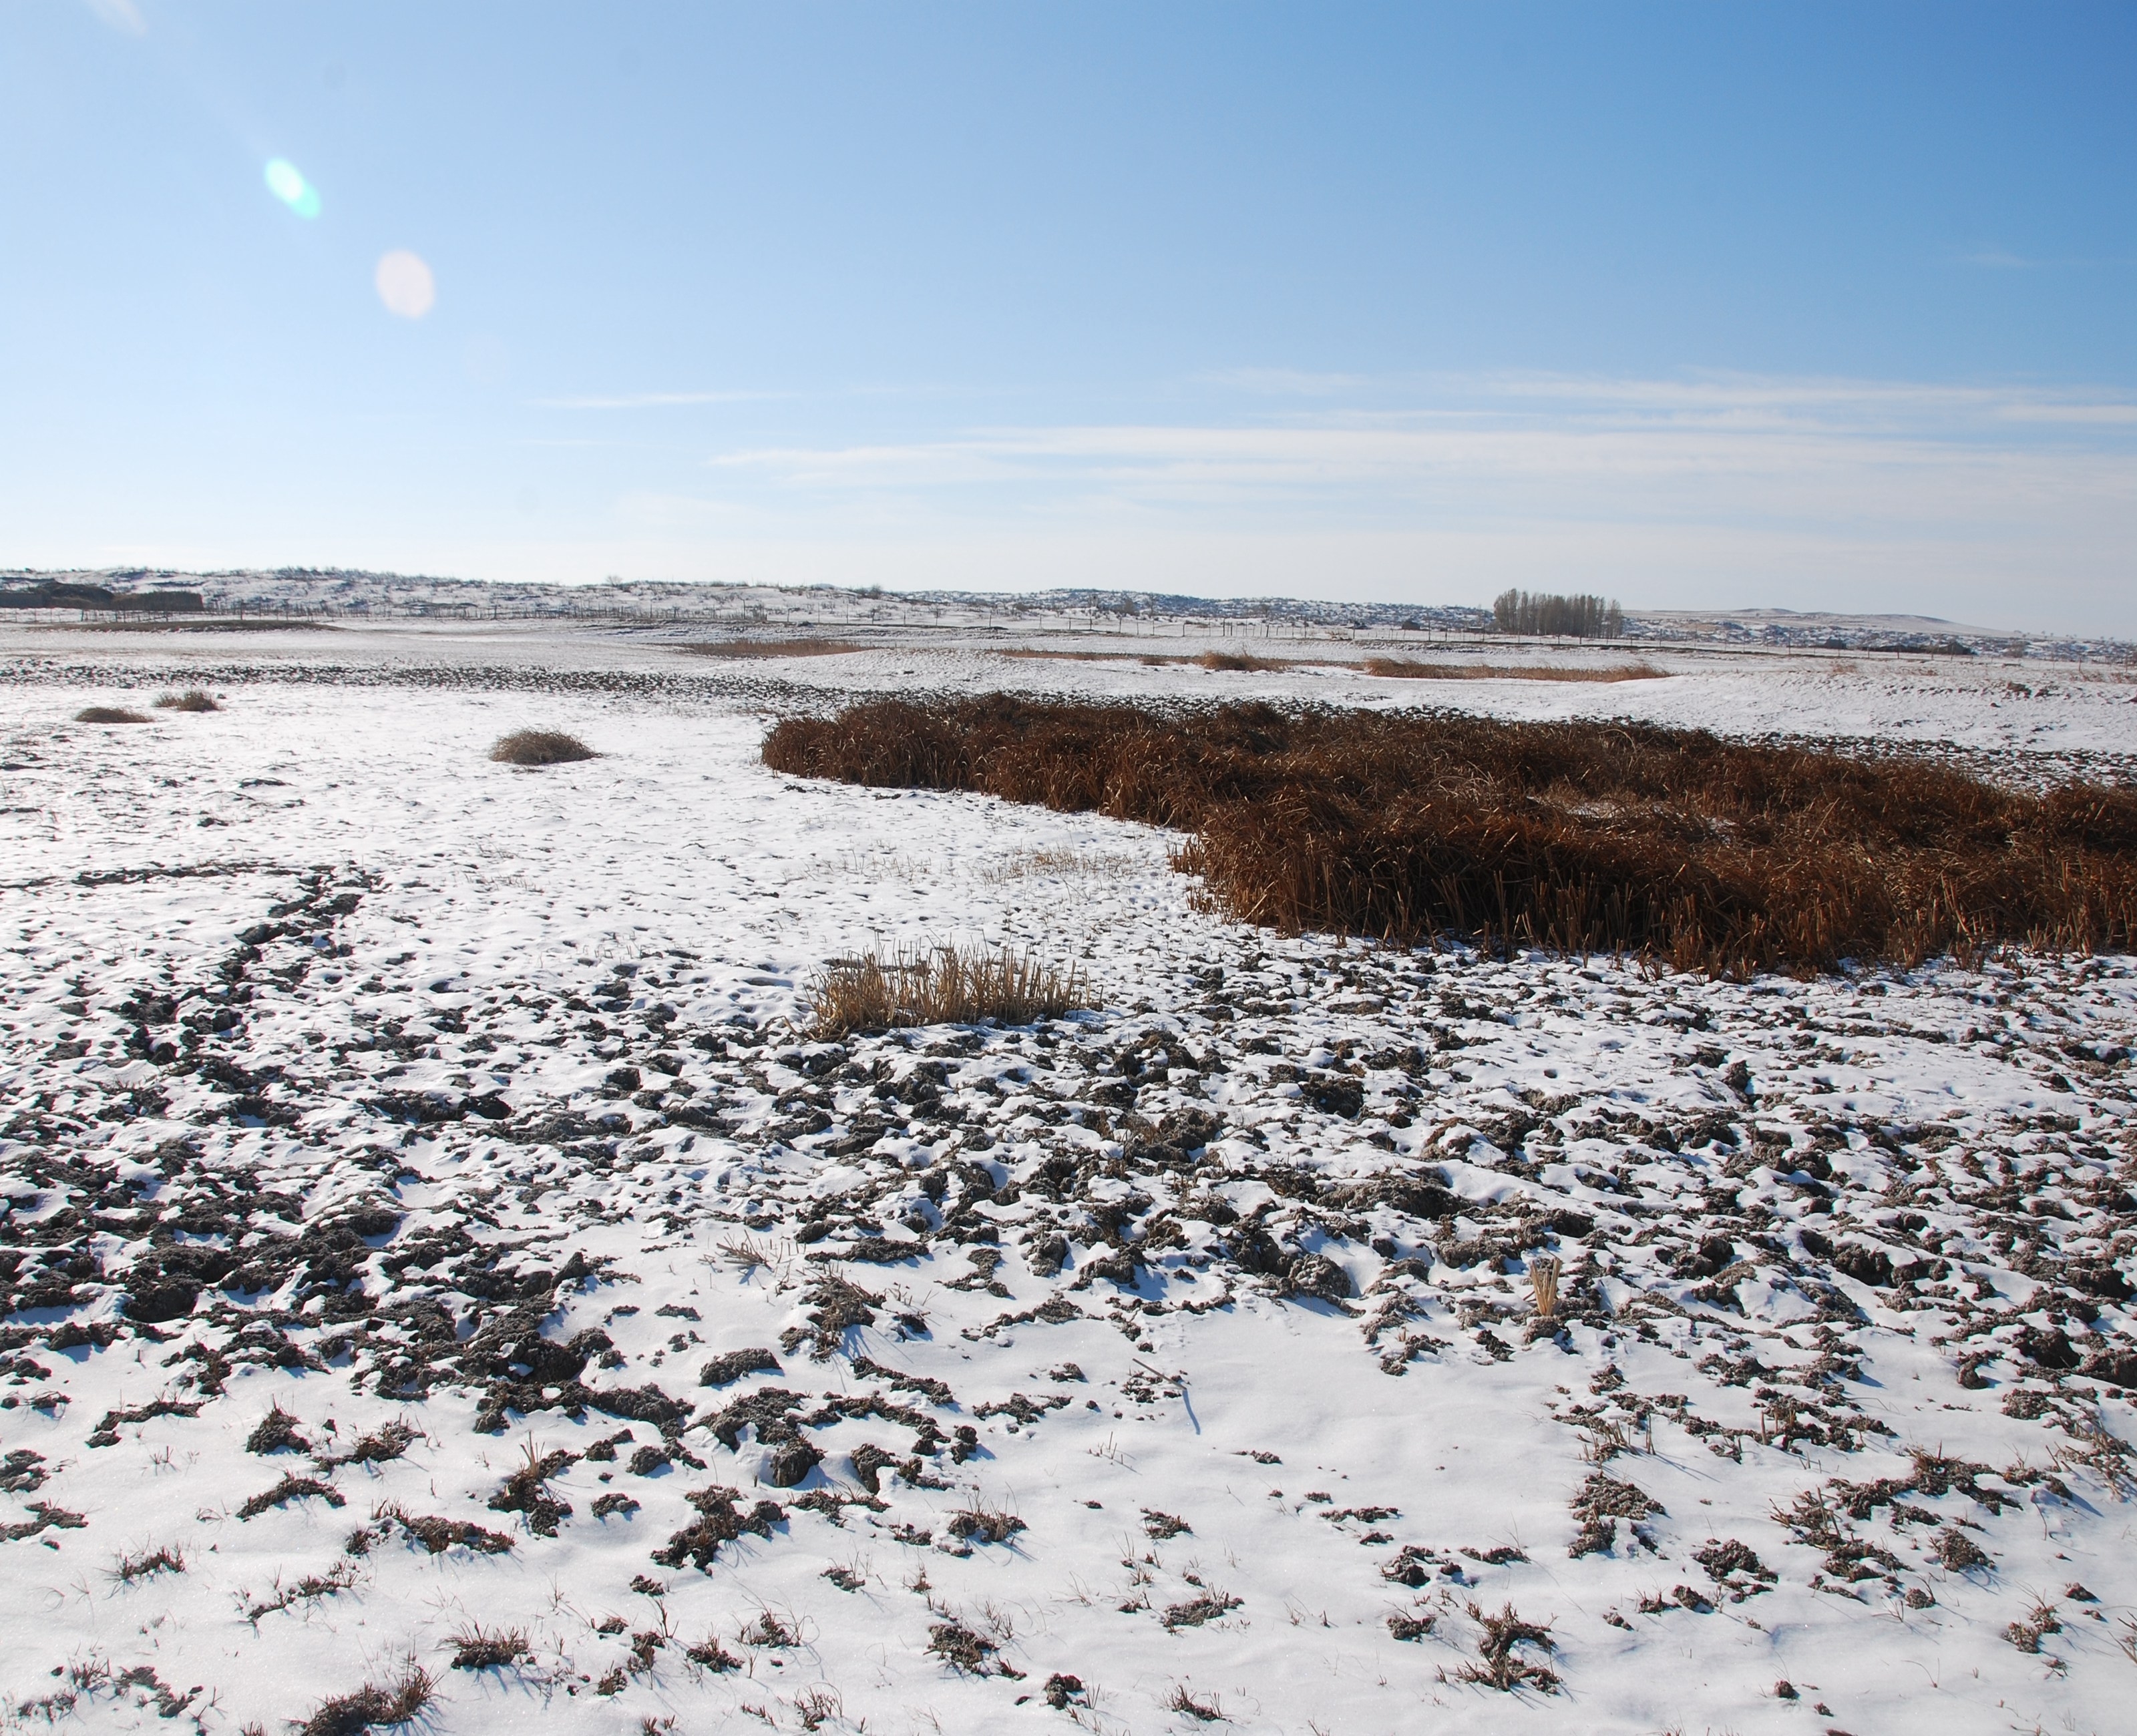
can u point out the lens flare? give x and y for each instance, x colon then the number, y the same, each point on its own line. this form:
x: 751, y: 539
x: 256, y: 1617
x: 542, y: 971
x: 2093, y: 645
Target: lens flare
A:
x: 292, y: 188
x: 405, y: 285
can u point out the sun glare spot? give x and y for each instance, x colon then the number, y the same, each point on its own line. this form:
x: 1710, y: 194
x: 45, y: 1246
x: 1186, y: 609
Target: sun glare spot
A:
x: 405, y: 285
x: 292, y: 188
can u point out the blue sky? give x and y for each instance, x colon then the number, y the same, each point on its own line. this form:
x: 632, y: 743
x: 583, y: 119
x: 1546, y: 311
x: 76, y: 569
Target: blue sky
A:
x: 1815, y: 306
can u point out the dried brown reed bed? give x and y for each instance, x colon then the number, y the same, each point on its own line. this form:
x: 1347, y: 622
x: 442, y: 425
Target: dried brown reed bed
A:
x: 776, y: 648
x: 110, y: 714
x: 943, y: 985
x: 1402, y: 668
x: 193, y: 699
x: 1577, y: 836
x: 1041, y: 652
x: 1236, y: 661
x: 1243, y: 662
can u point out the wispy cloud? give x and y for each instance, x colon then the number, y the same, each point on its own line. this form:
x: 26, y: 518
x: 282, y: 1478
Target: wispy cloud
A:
x: 1701, y: 446
x: 123, y: 16
x: 1864, y: 494
x: 2000, y: 259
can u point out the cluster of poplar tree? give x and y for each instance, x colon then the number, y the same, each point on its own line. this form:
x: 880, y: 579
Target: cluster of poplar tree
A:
x: 1575, y: 617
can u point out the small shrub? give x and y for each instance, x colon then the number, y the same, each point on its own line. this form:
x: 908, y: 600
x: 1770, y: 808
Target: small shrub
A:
x: 109, y: 714
x: 193, y: 699
x: 948, y: 985
x: 540, y: 747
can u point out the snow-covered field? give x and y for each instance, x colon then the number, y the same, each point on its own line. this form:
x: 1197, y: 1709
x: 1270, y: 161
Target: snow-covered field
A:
x: 431, y: 1237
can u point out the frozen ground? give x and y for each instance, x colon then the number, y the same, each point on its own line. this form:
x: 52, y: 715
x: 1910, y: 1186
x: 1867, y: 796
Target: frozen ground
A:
x: 1172, y: 1363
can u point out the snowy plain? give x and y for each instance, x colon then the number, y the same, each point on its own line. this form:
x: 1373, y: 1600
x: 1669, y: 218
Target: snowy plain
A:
x: 462, y: 1116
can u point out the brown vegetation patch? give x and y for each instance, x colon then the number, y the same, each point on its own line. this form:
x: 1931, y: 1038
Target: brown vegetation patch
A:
x: 1575, y: 836
x: 946, y: 985
x: 193, y: 699
x: 1403, y: 670
x: 540, y: 747
x: 1242, y: 662
x: 110, y: 714
x: 1040, y: 651
x: 777, y: 648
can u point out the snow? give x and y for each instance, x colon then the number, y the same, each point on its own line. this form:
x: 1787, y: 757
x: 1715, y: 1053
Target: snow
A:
x: 405, y: 1178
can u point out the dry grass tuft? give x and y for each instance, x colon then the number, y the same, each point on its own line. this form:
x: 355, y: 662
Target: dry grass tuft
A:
x: 1059, y: 860
x: 474, y: 1649
x: 946, y: 985
x: 540, y: 747
x: 193, y: 699
x: 981, y: 1522
x: 372, y: 1706
x: 1402, y: 668
x: 1575, y: 836
x: 110, y: 714
x: 1543, y: 1280
x: 777, y: 648
x: 1241, y: 662
x: 146, y: 1563
x: 1210, y: 1710
x: 1501, y: 1662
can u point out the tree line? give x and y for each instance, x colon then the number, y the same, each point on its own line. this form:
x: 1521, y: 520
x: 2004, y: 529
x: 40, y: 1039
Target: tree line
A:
x: 1573, y: 617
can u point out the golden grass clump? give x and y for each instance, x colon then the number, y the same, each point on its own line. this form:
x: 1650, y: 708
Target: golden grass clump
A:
x: 943, y: 985
x: 1579, y: 837
x: 540, y: 747
x: 193, y: 699
x: 110, y: 714
x: 1543, y: 1280
x: 1402, y: 668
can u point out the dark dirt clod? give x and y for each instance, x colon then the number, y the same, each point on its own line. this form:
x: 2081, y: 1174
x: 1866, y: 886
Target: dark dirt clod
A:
x: 729, y: 1367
